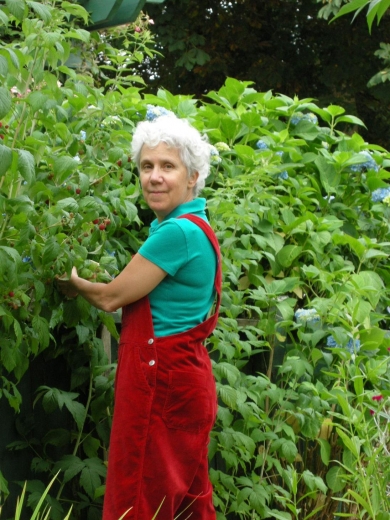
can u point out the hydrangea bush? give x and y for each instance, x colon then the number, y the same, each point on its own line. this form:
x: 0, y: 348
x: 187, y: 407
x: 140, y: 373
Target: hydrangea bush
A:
x: 300, y: 206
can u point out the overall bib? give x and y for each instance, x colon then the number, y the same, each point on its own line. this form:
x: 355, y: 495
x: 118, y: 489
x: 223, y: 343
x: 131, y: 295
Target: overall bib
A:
x: 165, y: 408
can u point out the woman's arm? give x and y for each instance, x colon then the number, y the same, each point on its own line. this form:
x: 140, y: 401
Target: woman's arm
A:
x: 137, y: 279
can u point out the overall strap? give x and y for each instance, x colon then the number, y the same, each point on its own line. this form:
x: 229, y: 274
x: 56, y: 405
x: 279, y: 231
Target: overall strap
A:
x: 206, y: 228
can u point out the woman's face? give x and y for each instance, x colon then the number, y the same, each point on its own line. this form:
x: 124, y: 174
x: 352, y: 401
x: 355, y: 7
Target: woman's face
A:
x: 164, y: 179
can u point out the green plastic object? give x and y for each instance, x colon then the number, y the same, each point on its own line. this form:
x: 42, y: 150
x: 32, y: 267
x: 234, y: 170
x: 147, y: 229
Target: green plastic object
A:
x: 108, y: 13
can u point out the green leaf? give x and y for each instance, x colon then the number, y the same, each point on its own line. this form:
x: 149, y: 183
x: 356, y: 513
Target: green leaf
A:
x: 5, y: 20
x: 288, y: 254
x: 68, y: 204
x: 41, y: 329
x: 82, y: 333
x: 76, y: 10
x: 3, y: 60
x: 228, y: 395
x: 5, y: 102
x: 42, y: 10
x: 334, y: 110
x: 109, y: 322
x: 289, y: 450
x: 64, y: 166
x: 91, y: 446
x: 357, y: 247
x: 3, y: 485
x: 79, y: 34
x: 70, y: 465
x: 51, y: 250
x: 369, y: 284
x: 16, y: 7
x: 352, y: 443
x: 335, y: 479
x: 89, y: 480
x: 26, y: 165
x: 5, y: 159
x: 350, y: 119
x: 325, y: 451
x: 362, y: 502
x: 330, y: 177
x: 77, y: 410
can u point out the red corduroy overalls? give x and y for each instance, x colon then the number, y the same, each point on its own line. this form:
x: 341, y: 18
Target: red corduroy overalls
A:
x: 165, y: 408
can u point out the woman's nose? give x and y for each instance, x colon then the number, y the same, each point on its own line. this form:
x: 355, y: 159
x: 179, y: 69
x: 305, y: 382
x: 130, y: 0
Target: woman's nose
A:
x: 155, y: 175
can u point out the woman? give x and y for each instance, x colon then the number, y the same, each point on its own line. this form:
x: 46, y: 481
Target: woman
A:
x: 165, y: 398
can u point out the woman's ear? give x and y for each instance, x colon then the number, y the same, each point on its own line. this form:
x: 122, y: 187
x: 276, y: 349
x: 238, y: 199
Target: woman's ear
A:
x: 193, y: 178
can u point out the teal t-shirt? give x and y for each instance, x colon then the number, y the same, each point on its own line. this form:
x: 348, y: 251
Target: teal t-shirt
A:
x: 179, y: 247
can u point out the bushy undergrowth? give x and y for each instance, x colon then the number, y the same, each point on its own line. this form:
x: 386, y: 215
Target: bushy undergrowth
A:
x: 301, y: 208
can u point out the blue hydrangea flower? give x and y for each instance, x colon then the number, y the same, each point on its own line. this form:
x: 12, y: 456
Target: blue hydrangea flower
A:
x: 153, y: 112
x: 261, y: 145
x: 380, y: 194
x: 306, y: 316
x: 283, y: 175
x: 299, y: 116
x: 214, y: 155
x: 280, y: 153
x: 26, y: 259
x: 369, y: 164
x: 352, y: 346
x: 83, y: 135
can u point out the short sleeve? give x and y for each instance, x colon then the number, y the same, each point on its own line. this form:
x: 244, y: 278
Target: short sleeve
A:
x: 166, y: 247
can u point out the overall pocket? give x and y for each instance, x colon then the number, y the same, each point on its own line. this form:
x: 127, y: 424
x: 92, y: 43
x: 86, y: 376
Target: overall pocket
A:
x: 190, y: 402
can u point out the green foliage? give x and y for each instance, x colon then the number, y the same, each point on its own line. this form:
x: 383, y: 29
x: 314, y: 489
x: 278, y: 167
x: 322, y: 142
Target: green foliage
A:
x: 300, y: 354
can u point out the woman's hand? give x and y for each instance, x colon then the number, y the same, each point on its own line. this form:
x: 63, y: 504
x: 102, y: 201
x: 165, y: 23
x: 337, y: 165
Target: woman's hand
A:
x: 67, y: 285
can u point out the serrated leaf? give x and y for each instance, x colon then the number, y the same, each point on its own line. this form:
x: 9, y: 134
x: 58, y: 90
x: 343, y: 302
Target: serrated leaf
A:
x: 7, y: 356
x: 79, y: 34
x: 39, y: 290
x: 82, y: 333
x: 5, y: 102
x: 51, y: 250
x: 78, y: 412
x: 289, y: 450
x: 37, y: 100
x: 68, y: 204
x: 26, y: 165
x: 228, y: 395
x: 64, y: 166
x: 16, y: 7
x: 41, y: 328
x: 3, y: 60
x: 71, y: 465
x: 91, y: 446
x: 42, y: 10
x: 57, y: 437
x: 89, y: 480
x: 76, y: 10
